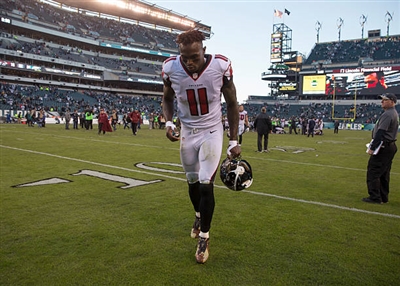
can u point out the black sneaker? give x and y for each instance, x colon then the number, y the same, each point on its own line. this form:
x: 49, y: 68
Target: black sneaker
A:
x: 195, y: 228
x: 371, y: 201
x: 202, y: 250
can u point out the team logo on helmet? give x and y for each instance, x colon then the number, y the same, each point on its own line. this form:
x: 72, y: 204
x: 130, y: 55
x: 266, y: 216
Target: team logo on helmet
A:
x: 236, y: 174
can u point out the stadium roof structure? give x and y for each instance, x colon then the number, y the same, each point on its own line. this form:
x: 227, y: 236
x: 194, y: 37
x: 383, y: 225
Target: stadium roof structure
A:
x: 139, y: 10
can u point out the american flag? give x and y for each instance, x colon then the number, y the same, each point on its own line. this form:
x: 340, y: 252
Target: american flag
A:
x: 278, y: 13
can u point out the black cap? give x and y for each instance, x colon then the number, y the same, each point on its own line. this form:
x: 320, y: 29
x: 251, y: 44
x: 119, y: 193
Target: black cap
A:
x: 390, y: 96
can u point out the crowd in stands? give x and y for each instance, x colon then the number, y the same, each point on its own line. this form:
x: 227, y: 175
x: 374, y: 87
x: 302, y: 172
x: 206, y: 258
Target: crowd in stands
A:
x: 118, y: 64
x: 365, y: 113
x: 352, y: 50
x: 93, y: 27
x: 21, y: 98
x: 17, y: 97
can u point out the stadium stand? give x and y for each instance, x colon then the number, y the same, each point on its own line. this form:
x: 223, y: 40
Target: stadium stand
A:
x: 386, y: 49
x: 341, y: 69
x: 55, y: 58
x: 365, y: 112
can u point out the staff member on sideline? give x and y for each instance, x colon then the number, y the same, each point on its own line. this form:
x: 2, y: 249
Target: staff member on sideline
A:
x: 263, y: 126
x: 379, y: 165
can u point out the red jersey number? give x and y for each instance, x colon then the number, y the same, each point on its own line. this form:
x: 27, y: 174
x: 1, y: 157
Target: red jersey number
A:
x: 201, y: 101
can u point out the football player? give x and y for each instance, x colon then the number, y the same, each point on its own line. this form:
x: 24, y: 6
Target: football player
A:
x: 196, y: 80
x: 243, y: 122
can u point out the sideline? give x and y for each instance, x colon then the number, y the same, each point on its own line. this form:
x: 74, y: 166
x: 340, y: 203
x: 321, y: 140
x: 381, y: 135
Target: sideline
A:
x: 94, y: 139
x: 217, y: 186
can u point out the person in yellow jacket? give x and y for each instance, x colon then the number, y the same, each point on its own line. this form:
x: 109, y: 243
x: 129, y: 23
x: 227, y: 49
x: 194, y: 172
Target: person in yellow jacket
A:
x: 89, y: 119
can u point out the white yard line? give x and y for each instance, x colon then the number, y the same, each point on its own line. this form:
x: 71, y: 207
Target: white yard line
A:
x: 157, y: 174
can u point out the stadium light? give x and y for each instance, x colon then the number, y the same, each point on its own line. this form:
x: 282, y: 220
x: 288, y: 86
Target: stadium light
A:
x: 363, y: 20
x: 51, y: 2
x: 318, y: 27
x: 388, y: 18
x: 120, y: 4
x: 339, y: 24
x: 149, y: 11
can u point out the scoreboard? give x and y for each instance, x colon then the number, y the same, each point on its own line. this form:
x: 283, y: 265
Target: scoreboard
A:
x: 276, y: 48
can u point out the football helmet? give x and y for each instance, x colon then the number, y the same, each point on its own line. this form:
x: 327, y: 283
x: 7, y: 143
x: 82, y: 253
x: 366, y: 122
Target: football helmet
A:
x: 176, y: 132
x: 236, y: 174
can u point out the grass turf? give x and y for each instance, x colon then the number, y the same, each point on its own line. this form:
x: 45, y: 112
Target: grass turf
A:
x: 302, y: 221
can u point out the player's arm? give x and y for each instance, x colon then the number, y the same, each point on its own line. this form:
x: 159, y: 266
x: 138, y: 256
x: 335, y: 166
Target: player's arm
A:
x: 269, y: 122
x: 168, y: 109
x: 229, y: 92
x: 377, y: 140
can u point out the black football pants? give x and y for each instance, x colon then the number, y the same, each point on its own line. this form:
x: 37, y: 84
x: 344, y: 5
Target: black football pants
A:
x: 378, y: 173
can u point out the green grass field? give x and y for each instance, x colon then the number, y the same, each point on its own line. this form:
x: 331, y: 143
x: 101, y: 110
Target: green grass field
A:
x: 82, y: 209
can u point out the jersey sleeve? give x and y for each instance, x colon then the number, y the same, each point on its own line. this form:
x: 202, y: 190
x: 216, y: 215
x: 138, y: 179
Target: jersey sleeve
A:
x: 225, y: 66
x: 167, y: 68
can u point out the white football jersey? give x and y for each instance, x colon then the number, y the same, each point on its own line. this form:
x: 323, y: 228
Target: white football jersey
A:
x: 199, y: 94
x: 242, y: 120
x: 242, y: 117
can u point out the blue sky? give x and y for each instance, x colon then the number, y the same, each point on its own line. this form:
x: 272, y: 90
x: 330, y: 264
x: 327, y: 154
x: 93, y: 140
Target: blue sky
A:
x: 242, y: 29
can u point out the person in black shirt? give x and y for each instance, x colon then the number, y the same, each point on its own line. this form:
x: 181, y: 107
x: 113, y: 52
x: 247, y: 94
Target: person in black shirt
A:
x: 336, y: 127
x: 311, y: 126
x: 379, y: 165
x: 292, y: 125
x: 75, y: 119
x: 263, y: 125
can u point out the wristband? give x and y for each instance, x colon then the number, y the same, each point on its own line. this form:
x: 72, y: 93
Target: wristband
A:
x: 232, y: 144
x: 170, y: 124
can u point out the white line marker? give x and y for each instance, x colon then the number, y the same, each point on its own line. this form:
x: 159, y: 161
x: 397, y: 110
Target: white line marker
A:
x: 217, y: 186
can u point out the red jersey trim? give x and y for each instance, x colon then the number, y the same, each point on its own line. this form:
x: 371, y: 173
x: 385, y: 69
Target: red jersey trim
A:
x: 221, y: 57
x: 170, y: 59
x: 207, y: 63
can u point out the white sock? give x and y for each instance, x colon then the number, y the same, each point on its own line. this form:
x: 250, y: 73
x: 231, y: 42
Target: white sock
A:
x: 204, y: 234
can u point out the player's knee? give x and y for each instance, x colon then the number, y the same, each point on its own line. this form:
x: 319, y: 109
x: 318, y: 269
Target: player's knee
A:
x: 192, y: 177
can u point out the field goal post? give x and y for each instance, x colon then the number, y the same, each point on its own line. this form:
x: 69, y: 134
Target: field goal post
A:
x: 333, y: 104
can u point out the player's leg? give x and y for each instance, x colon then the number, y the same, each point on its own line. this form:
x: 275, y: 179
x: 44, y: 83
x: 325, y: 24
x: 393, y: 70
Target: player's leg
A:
x: 209, y: 158
x: 240, y: 132
x: 194, y: 194
x: 191, y: 166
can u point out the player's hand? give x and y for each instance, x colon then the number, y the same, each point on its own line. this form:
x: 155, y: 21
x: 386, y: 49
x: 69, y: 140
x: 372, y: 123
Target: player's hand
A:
x: 172, y: 132
x: 234, y: 149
